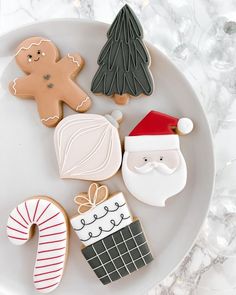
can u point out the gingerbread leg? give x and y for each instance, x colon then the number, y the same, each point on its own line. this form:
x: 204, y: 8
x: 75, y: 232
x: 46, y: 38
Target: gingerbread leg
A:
x: 50, y: 111
x: 76, y: 98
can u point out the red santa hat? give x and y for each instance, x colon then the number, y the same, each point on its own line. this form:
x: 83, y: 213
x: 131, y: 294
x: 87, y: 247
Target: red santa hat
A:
x: 157, y: 131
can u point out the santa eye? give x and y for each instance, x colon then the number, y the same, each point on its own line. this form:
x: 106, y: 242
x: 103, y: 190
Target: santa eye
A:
x: 39, y: 51
x: 161, y: 158
x: 145, y: 159
x: 29, y: 56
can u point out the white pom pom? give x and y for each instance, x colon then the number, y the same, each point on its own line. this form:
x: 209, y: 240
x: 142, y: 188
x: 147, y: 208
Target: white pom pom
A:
x: 185, y: 125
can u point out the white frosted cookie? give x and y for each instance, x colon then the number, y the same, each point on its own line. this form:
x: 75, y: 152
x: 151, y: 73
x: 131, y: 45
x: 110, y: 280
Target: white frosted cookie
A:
x: 88, y: 146
x: 113, y: 242
x: 52, y: 224
x: 153, y: 167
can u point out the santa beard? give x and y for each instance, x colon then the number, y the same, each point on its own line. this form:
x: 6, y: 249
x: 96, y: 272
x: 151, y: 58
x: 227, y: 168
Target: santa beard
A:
x: 154, y: 187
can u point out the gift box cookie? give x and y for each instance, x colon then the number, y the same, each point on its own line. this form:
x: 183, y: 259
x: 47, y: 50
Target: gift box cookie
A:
x: 114, y: 243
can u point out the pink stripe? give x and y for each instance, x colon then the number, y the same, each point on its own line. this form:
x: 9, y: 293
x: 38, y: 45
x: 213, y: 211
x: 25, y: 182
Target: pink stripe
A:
x: 50, y: 242
x: 43, y: 212
x: 27, y: 212
x: 62, y: 232
x: 49, y: 264
x: 47, y: 286
x: 36, y: 209
x: 46, y: 279
x: 12, y: 237
x: 45, y: 273
x: 21, y: 215
x: 50, y: 257
x: 18, y: 222
x: 49, y: 218
x: 51, y: 226
x: 19, y: 231
x: 51, y: 250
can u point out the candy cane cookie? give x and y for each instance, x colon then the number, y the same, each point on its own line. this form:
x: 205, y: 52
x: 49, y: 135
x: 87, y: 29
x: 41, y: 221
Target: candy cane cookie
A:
x: 52, y: 223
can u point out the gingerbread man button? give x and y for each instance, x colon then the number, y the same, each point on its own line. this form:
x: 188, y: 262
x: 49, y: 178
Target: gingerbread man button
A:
x: 49, y: 79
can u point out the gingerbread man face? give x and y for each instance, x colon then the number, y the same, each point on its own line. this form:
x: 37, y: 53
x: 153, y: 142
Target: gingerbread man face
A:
x: 34, y: 53
x: 49, y: 79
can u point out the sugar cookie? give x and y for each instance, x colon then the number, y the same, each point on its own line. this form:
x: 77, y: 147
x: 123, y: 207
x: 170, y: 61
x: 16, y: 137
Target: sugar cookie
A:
x: 114, y: 242
x: 49, y: 79
x: 153, y: 167
x: 88, y: 146
x: 124, y: 61
x: 52, y: 224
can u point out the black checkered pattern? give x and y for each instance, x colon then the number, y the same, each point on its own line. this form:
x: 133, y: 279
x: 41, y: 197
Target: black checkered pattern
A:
x: 119, y: 254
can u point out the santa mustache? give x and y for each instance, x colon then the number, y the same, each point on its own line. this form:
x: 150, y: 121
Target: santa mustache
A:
x: 150, y: 166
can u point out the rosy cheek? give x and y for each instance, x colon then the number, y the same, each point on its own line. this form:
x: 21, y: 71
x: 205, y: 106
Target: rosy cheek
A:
x: 133, y: 161
x: 172, y: 160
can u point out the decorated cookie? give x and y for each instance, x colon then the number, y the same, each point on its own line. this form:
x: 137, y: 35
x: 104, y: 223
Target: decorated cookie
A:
x: 88, y: 146
x: 153, y: 166
x: 124, y: 61
x: 52, y: 224
x: 113, y: 242
x: 49, y: 79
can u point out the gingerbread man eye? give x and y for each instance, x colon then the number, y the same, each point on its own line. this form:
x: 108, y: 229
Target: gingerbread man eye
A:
x: 161, y: 158
x: 29, y: 57
x: 39, y: 51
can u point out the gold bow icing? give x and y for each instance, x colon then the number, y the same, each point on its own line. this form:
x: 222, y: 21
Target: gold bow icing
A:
x: 95, y: 196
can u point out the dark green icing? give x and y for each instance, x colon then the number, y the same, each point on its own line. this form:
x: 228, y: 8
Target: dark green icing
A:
x: 119, y: 254
x: 124, y: 59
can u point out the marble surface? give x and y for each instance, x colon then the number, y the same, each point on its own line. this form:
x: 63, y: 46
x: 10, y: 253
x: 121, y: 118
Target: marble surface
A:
x: 200, y: 38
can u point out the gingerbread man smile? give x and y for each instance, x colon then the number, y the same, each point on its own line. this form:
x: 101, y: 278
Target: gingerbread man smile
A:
x: 49, y: 79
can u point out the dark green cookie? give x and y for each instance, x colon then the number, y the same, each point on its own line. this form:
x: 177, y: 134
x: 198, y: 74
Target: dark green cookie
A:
x: 119, y: 254
x: 124, y: 60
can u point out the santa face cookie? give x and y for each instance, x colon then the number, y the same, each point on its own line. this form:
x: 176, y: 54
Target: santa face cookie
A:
x: 153, y: 166
x: 52, y: 224
x: 88, y: 146
x: 113, y: 242
x: 124, y: 61
x: 49, y: 79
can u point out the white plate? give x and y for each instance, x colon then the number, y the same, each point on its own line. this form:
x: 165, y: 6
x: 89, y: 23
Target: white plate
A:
x: 28, y: 165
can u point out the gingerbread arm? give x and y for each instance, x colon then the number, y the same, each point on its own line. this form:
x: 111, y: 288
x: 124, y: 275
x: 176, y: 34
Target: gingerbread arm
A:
x: 21, y: 87
x: 72, y: 63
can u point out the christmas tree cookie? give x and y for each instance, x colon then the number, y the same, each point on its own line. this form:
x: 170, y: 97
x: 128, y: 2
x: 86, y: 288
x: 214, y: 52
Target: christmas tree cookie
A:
x: 124, y: 61
x: 113, y: 242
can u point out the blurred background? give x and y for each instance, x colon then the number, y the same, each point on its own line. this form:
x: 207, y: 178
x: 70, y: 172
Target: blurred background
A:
x: 199, y: 36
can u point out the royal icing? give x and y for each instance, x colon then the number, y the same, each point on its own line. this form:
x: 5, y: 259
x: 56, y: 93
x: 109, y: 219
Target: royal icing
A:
x: 53, y: 238
x: 153, y: 166
x: 124, y: 60
x: 102, y: 220
x: 87, y: 147
x: 49, y: 79
x: 30, y: 45
x: 114, y: 244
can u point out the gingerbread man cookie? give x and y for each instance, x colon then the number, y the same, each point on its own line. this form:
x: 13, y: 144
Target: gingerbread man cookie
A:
x: 49, y: 79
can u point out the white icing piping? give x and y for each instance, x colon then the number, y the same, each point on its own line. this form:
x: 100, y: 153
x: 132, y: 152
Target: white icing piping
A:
x: 77, y: 134
x: 36, y: 44
x: 49, y: 118
x: 66, y: 125
x: 74, y: 60
x: 14, y: 85
x: 88, y: 157
x: 83, y: 101
x: 103, y: 165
